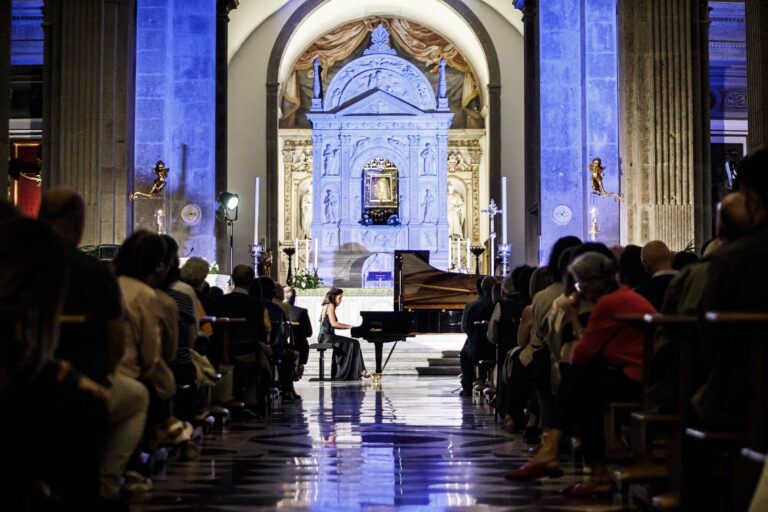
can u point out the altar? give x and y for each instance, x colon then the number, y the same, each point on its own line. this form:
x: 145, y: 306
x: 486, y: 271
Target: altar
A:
x: 379, y: 167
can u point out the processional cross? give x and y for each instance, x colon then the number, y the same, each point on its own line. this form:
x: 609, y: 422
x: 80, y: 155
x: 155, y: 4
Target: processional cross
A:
x: 492, y: 212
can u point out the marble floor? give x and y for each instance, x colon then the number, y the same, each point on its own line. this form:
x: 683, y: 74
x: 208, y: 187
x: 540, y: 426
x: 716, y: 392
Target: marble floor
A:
x: 412, y: 445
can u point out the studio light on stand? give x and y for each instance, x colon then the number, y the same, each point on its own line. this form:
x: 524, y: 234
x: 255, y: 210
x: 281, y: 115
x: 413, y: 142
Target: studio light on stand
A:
x: 229, y: 203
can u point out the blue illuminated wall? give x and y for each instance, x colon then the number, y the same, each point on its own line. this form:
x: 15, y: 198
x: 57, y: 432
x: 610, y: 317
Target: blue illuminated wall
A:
x: 27, y: 33
x: 175, y: 115
x: 579, y: 117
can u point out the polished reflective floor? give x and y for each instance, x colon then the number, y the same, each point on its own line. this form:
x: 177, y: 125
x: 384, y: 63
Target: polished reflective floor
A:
x: 414, y: 444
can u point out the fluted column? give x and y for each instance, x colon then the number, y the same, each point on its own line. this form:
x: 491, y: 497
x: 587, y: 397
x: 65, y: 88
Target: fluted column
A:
x: 757, y: 73
x: 664, y: 91
x: 88, y: 108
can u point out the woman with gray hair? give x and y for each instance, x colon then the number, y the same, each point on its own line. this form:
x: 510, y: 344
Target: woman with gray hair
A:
x: 606, y: 366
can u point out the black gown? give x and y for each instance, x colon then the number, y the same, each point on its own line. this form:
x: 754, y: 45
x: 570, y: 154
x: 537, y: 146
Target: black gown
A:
x: 347, y: 355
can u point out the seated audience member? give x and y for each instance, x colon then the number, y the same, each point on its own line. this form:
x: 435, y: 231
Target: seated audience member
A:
x: 631, y: 269
x: 251, y: 381
x: 683, y: 296
x: 140, y: 266
x: 736, y: 281
x: 51, y: 413
x: 95, y: 347
x: 657, y: 261
x: 523, y: 283
x: 193, y: 272
x: 184, y: 371
x: 476, y: 347
x: 281, y: 354
x: 606, y: 366
x: 302, y: 328
x: 684, y: 258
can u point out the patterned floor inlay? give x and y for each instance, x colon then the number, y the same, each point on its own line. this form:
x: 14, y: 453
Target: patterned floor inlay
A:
x: 413, y: 445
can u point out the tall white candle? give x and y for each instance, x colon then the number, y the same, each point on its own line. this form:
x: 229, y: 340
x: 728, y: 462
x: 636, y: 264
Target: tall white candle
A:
x: 317, y: 241
x: 504, y: 210
x: 306, y: 254
x: 469, y: 269
x: 296, y: 253
x: 256, y: 211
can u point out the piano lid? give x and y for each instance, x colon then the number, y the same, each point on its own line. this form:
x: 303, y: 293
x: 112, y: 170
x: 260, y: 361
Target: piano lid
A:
x: 418, y: 285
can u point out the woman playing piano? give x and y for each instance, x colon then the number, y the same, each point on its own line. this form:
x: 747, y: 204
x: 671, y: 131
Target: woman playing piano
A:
x: 347, y: 357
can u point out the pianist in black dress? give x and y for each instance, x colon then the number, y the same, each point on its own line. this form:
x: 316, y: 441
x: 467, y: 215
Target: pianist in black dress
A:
x: 348, y: 361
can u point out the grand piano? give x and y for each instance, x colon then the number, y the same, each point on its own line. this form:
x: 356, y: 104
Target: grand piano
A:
x: 426, y: 300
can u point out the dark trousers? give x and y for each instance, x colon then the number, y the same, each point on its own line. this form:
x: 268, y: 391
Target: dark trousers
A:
x: 525, y: 383
x: 467, y: 360
x: 584, y: 393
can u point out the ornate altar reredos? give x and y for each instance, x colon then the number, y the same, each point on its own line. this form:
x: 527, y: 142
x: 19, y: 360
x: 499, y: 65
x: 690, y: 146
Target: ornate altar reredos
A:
x: 379, y: 167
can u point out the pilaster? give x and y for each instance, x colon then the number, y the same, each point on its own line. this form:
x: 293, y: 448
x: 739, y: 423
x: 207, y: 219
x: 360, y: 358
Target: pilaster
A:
x: 757, y: 73
x: 88, y: 109
x: 664, y: 121
x: 5, y: 79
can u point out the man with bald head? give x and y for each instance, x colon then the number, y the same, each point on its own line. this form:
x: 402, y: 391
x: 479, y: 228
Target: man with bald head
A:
x: 657, y: 261
x: 96, y: 347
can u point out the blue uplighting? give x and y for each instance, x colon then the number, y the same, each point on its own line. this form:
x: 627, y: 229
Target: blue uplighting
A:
x: 27, y: 33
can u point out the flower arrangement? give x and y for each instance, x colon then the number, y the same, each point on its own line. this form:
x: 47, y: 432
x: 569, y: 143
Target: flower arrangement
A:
x: 214, y: 268
x: 307, y: 280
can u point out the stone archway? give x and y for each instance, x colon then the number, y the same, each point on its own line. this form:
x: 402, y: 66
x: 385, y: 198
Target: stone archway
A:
x: 276, y: 56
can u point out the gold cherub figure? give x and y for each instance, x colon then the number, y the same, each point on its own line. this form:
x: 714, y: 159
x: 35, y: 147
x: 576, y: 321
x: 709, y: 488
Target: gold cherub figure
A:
x: 596, y: 170
x: 161, y: 173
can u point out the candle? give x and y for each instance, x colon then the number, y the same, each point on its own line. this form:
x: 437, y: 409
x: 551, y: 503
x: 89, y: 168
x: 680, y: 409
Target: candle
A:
x: 296, y: 253
x: 256, y: 211
x: 317, y: 240
x: 504, y: 210
x: 469, y: 271
x: 450, y: 252
x: 306, y: 254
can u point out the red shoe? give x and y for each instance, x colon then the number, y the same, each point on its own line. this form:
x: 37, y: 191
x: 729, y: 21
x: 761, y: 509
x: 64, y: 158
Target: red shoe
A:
x: 536, y: 470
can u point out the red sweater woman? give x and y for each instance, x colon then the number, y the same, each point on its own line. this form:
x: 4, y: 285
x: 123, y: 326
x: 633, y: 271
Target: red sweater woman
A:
x: 607, y: 365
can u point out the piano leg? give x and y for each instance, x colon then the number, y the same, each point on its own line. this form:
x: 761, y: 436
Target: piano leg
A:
x: 378, y: 346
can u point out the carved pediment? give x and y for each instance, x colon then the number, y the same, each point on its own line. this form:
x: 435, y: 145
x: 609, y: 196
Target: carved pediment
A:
x: 378, y: 103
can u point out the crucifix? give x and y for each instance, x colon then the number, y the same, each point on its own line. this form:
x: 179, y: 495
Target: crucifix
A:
x: 492, y: 211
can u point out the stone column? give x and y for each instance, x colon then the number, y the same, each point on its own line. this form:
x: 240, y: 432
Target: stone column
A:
x: 88, y: 108
x: 5, y: 84
x: 664, y: 89
x: 757, y: 73
x: 273, y: 199
x: 223, y: 8
x: 530, y: 10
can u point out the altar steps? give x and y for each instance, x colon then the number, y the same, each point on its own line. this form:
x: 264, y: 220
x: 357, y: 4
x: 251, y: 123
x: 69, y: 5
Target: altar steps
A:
x: 408, y: 358
x: 448, y: 364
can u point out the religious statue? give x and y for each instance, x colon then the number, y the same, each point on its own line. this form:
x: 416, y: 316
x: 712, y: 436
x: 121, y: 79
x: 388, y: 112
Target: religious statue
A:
x: 427, y: 206
x: 305, y: 210
x: 596, y: 171
x: 456, y: 212
x: 330, y: 167
x: 330, y: 207
x: 381, y: 190
x: 461, y: 165
x: 429, y: 161
x: 303, y: 164
x: 161, y: 175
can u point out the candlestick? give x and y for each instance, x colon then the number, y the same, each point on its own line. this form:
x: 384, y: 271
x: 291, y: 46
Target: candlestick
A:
x: 504, y: 210
x: 256, y: 211
x: 468, y: 269
x: 317, y: 241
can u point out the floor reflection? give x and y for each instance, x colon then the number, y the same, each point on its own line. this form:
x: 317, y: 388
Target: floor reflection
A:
x: 412, y: 445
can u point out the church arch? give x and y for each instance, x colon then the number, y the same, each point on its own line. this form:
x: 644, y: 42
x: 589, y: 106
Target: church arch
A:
x: 492, y: 91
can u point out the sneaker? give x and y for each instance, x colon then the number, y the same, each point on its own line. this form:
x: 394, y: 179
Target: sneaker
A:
x: 136, y: 483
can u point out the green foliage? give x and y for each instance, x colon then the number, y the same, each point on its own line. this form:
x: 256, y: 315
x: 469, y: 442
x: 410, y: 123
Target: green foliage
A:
x: 306, y: 280
x: 214, y: 269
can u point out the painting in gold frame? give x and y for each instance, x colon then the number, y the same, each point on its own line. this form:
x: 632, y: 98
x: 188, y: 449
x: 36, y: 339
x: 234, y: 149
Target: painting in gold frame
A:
x: 380, y: 184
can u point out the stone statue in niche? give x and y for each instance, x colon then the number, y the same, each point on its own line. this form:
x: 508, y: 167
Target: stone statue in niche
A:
x: 305, y: 213
x: 329, y: 203
x: 428, y: 207
x: 429, y: 161
x: 303, y: 163
x: 330, y: 161
x: 456, y: 212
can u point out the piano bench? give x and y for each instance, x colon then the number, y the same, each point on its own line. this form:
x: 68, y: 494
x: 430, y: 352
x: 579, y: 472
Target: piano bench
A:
x: 321, y: 348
